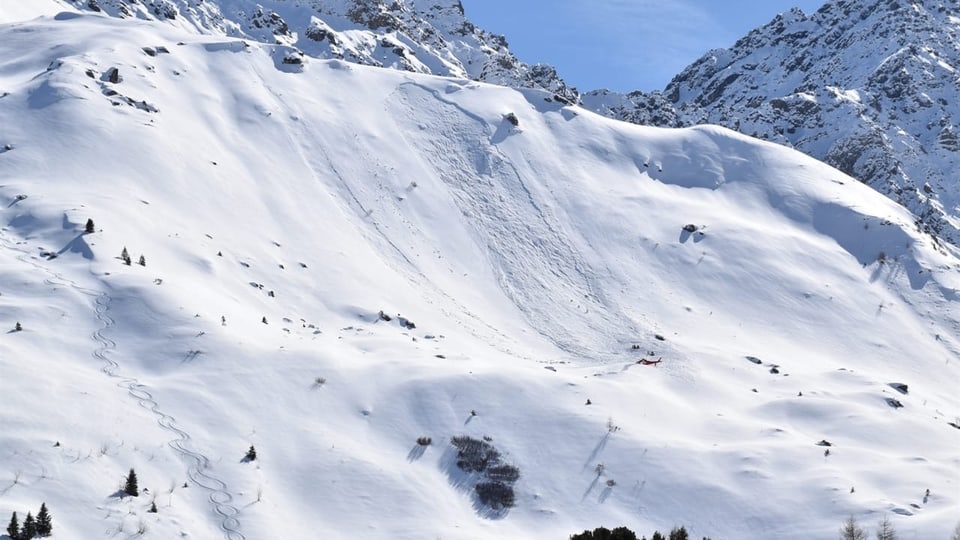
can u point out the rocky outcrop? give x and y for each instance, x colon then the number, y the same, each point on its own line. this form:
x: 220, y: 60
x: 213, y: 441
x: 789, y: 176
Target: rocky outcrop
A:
x: 428, y: 36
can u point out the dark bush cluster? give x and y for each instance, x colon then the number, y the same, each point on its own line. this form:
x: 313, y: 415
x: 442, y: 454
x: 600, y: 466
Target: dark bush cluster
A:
x: 495, y: 494
x: 623, y: 533
x: 479, y: 456
x: 603, y: 533
x: 503, y: 473
x: 474, y: 455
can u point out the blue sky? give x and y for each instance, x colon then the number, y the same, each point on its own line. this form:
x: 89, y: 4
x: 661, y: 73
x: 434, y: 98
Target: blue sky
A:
x: 623, y: 44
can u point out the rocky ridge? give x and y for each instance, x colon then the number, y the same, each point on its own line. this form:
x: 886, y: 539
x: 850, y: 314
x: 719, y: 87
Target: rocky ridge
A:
x: 868, y: 87
x: 431, y: 36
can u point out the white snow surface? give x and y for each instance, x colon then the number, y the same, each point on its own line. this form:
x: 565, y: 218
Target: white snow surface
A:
x: 531, y: 259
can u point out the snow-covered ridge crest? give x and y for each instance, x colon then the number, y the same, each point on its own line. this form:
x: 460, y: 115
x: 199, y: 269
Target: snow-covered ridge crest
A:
x: 427, y: 36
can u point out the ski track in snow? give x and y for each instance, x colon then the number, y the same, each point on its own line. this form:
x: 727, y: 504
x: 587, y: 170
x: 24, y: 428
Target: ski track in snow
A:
x: 220, y: 497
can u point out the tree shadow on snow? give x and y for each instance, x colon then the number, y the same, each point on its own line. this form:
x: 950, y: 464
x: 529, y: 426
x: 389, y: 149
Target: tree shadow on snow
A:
x: 416, y: 452
x: 605, y: 494
x: 596, y: 450
x: 596, y: 480
x: 77, y: 245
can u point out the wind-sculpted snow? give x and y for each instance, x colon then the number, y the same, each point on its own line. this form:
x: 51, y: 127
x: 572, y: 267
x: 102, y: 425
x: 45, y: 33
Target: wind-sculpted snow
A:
x: 341, y: 262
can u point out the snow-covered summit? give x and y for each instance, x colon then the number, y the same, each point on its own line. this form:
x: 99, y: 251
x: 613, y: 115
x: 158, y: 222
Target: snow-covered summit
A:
x: 870, y: 87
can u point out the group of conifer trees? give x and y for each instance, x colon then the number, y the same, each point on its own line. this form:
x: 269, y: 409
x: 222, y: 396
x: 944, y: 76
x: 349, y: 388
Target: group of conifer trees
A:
x: 33, y: 527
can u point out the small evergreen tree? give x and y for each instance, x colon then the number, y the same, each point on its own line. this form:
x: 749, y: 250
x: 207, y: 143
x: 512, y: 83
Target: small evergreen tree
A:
x: 851, y: 530
x: 251, y: 454
x: 679, y: 533
x: 657, y: 536
x: 13, y: 529
x: 153, y: 508
x: 18, y: 327
x: 956, y: 533
x: 29, y: 529
x: 89, y: 228
x: 142, y: 261
x: 130, y: 488
x: 44, y: 521
x: 125, y: 256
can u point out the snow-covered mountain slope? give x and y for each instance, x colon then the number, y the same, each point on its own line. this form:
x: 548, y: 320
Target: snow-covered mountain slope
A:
x: 280, y: 207
x: 869, y: 87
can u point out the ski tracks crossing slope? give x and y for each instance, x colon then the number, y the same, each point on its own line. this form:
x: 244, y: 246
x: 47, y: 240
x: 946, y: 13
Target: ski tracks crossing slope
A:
x: 199, y: 465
